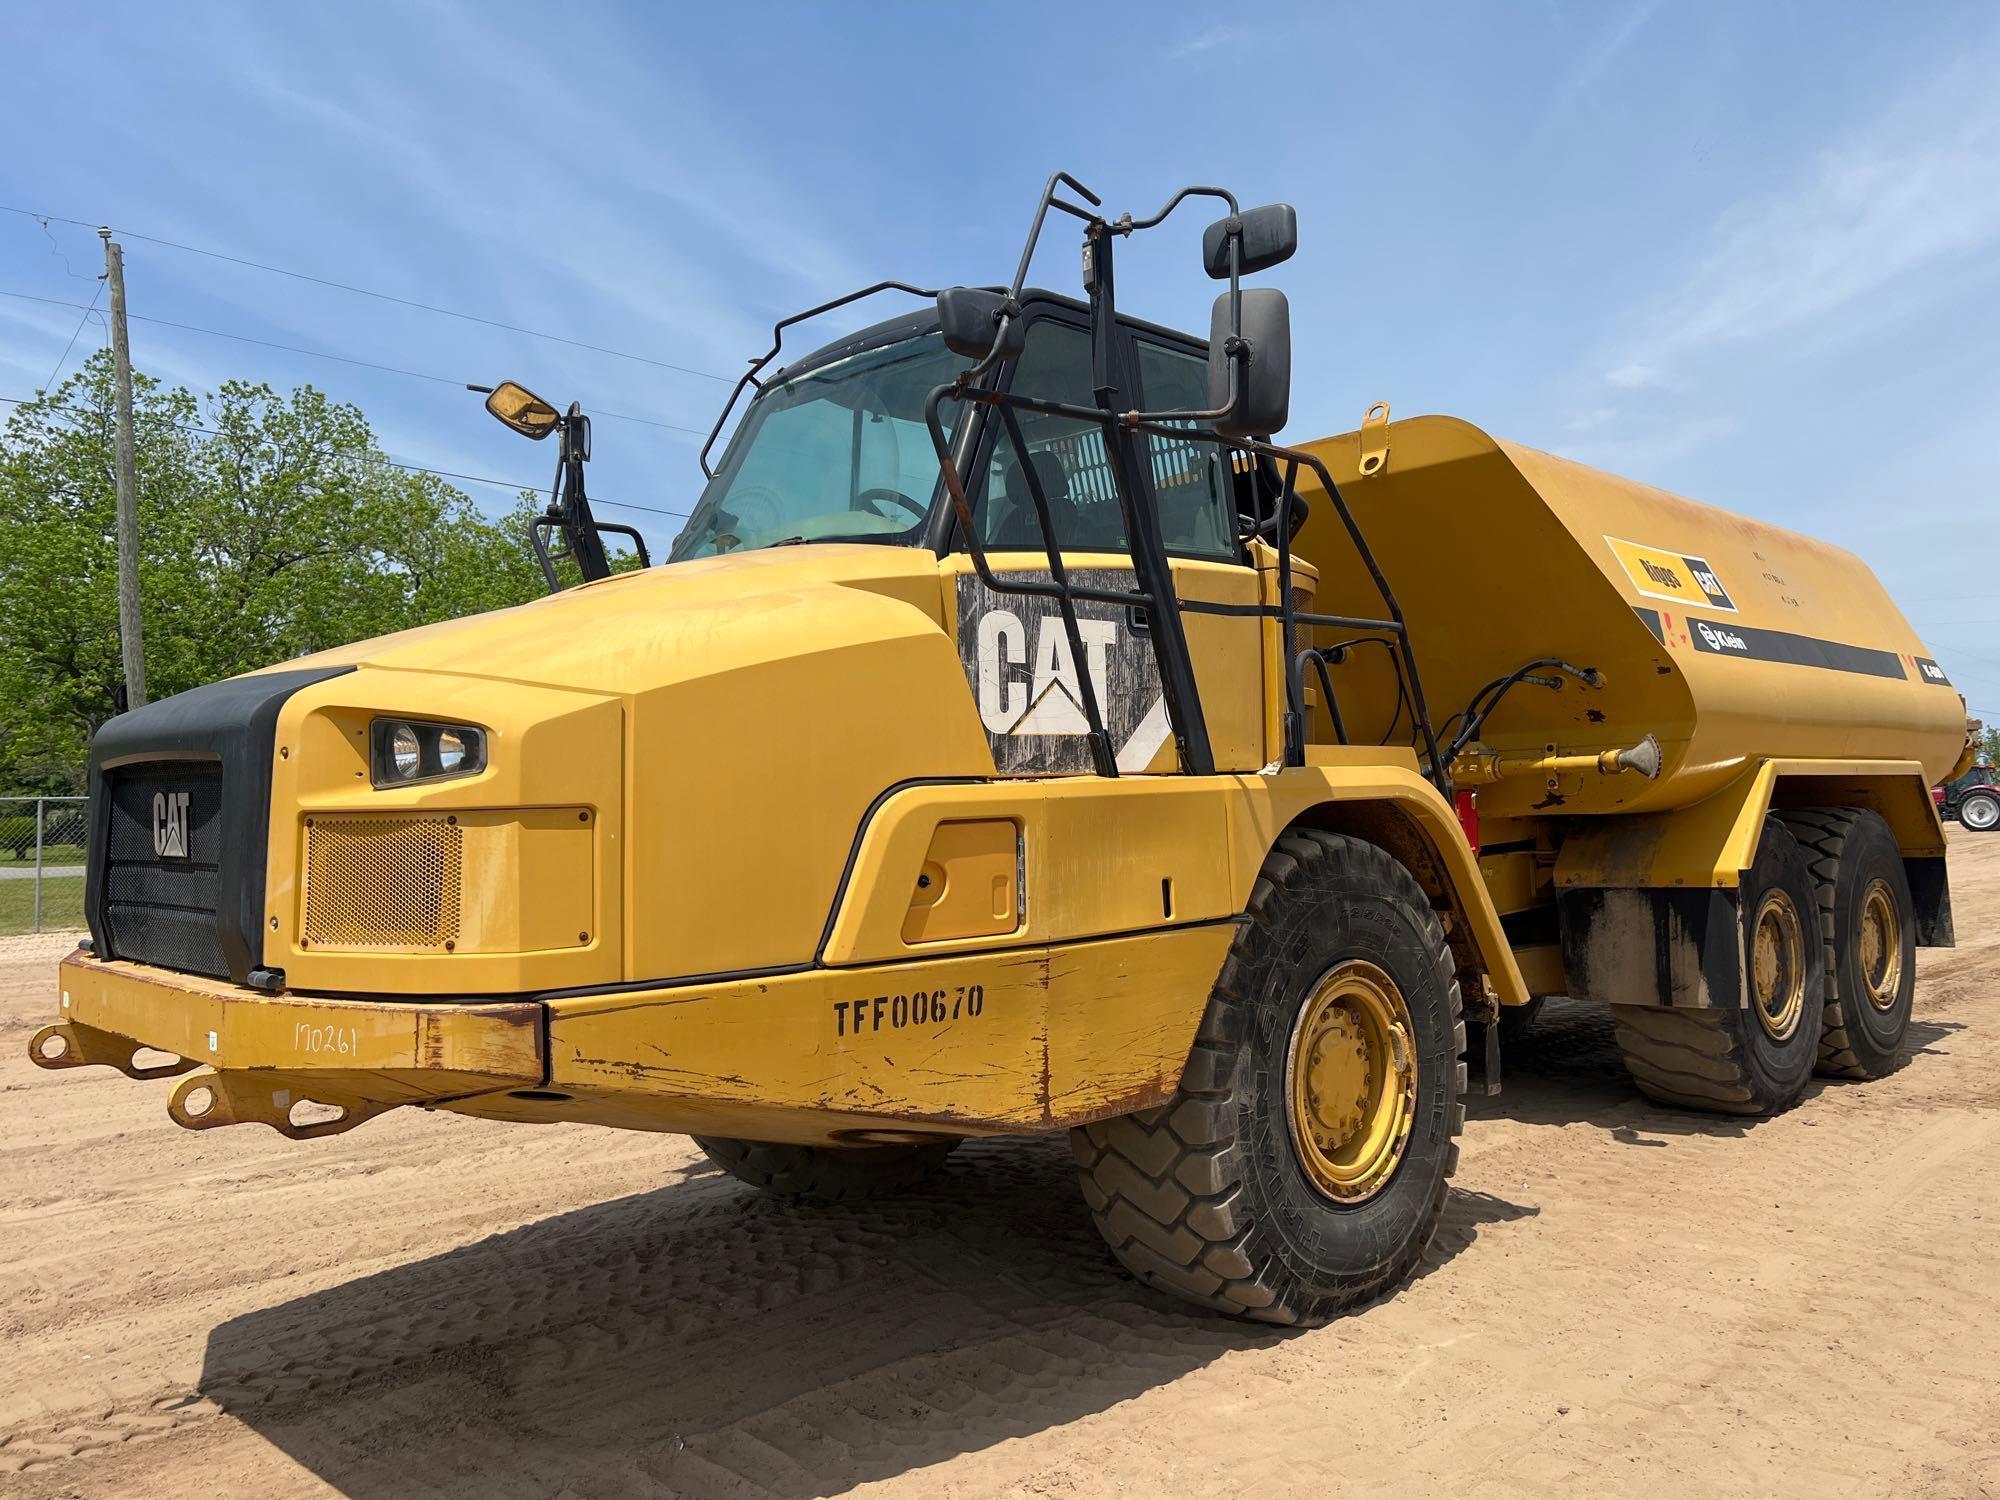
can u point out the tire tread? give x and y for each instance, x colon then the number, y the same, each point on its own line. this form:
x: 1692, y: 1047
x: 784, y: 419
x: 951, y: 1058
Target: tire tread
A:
x: 1823, y: 832
x: 1164, y: 1180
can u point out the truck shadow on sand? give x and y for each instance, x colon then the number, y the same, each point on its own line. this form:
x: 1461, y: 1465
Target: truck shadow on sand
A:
x: 701, y: 1339
x: 1567, y: 1071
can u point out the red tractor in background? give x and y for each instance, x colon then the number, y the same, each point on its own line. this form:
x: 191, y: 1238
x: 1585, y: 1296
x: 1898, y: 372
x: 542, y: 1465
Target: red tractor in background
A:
x: 1973, y: 798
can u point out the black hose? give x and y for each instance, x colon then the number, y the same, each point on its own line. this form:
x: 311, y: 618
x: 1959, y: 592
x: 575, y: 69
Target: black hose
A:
x: 1488, y: 698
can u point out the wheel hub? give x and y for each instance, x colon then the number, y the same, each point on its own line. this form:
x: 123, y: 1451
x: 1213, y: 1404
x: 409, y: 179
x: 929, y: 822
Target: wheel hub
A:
x: 1881, y: 945
x: 1777, y: 966
x: 1351, y: 1081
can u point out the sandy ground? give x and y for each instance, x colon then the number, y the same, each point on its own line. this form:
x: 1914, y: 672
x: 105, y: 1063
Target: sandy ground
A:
x: 1622, y: 1301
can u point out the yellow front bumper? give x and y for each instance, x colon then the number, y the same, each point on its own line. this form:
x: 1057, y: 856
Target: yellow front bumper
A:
x: 255, y: 1057
x: 997, y: 1042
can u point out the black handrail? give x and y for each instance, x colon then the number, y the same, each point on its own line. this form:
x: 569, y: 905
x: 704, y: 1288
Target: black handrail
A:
x: 1285, y: 611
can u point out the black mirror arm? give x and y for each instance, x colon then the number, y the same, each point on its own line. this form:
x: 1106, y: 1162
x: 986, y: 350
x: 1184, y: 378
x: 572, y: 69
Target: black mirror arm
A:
x: 1129, y: 225
x: 1050, y: 200
x: 1239, y: 352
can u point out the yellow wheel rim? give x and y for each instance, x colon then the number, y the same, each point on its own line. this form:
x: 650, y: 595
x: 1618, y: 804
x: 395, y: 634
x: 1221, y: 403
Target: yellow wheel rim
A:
x: 1881, y: 945
x: 1351, y: 1082
x: 1778, y: 966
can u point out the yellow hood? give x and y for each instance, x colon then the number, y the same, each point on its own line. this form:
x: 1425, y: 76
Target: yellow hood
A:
x: 643, y: 630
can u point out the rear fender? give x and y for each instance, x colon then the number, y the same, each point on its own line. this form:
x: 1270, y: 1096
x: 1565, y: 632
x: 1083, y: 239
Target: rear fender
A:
x: 1710, y: 844
x: 1350, y: 790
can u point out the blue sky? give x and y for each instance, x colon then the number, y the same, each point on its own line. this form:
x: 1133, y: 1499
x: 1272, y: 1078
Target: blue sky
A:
x: 1747, y: 252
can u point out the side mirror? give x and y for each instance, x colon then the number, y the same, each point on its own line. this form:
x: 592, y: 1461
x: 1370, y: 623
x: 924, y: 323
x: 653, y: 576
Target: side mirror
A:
x: 1270, y: 235
x: 522, y: 410
x: 1264, y: 379
x: 969, y: 316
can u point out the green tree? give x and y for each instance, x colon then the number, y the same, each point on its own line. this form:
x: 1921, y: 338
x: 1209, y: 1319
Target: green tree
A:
x: 270, y: 526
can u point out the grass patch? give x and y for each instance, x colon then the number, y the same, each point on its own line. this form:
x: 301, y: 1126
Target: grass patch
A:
x: 62, y: 904
x: 52, y: 854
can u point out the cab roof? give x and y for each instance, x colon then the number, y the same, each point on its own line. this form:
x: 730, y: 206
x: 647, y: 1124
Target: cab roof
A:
x: 925, y: 320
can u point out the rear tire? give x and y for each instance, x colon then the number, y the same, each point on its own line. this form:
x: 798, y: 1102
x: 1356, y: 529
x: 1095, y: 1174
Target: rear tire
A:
x: 1869, y: 924
x: 1979, y: 811
x: 1301, y: 1165
x: 825, y: 1174
x: 1753, y: 1059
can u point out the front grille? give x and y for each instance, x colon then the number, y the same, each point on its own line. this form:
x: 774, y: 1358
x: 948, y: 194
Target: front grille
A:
x: 162, y: 852
x: 382, y: 882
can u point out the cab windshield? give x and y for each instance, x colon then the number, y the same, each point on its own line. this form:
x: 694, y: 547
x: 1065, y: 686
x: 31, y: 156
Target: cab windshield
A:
x: 837, y: 453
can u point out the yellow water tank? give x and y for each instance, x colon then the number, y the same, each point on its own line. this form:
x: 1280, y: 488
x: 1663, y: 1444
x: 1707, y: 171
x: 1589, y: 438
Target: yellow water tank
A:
x: 1729, y: 639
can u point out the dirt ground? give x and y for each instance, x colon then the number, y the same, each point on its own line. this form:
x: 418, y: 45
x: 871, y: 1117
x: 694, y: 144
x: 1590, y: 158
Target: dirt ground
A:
x: 1623, y: 1300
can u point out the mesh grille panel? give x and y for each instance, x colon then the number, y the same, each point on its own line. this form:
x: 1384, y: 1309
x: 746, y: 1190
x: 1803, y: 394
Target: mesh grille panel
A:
x: 382, y: 882
x: 160, y: 908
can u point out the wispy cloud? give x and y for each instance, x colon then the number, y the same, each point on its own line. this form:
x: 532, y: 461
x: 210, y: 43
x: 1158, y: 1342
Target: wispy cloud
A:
x: 1649, y: 445
x: 1878, y: 224
x: 1633, y: 376
x: 1210, y: 39
x: 1912, y: 192
x: 1596, y: 418
x: 1590, y: 64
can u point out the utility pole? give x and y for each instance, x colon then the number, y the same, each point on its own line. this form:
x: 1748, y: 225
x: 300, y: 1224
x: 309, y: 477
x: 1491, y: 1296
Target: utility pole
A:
x: 129, y: 636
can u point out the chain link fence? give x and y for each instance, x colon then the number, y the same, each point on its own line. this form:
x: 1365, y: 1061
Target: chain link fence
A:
x: 41, y: 863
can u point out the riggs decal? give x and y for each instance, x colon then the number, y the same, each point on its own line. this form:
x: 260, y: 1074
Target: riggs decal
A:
x: 1663, y: 573
x: 1027, y: 684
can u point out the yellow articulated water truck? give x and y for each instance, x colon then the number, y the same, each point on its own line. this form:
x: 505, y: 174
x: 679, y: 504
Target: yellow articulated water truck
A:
x: 1018, y: 740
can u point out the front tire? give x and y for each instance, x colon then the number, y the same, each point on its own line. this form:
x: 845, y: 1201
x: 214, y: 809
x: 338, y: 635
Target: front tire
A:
x: 1753, y: 1059
x: 1301, y: 1165
x: 825, y: 1174
x: 1979, y: 811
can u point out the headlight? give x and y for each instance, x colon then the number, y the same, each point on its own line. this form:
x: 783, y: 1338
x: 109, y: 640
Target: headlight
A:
x: 404, y: 751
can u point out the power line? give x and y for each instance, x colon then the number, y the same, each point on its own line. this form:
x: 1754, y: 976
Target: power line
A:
x: 345, y: 359
x: 1957, y: 650
x: 396, y: 463
x: 51, y: 385
x: 362, y: 291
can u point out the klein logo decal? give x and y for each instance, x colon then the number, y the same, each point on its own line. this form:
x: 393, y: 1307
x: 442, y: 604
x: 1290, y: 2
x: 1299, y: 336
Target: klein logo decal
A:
x: 170, y: 816
x: 1721, y: 638
x: 874, y: 1013
x: 1662, y: 573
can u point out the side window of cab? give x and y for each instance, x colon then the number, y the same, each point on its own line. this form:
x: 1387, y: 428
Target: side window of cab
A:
x: 1192, y: 482
x: 1191, y: 479
x: 1068, y: 456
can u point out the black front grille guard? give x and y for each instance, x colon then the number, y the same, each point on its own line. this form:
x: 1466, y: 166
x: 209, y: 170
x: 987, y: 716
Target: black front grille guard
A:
x: 1156, y: 590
